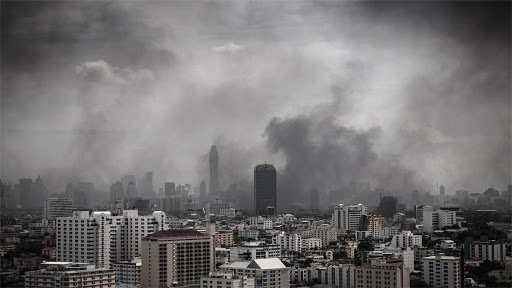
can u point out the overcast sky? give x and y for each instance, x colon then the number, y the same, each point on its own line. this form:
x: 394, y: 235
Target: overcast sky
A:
x: 330, y: 92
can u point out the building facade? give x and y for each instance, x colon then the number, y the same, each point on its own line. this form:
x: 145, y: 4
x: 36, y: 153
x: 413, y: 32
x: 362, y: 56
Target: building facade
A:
x: 265, y: 190
x: 269, y: 273
x: 347, y: 217
x: 68, y: 274
x: 441, y: 271
x: 379, y: 273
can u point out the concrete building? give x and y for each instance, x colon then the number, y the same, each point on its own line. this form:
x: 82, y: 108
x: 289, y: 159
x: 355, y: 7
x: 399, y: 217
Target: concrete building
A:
x: 437, y: 219
x: 373, y: 224
x: 116, y: 192
x: 441, y: 271
x: 340, y: 275
x: 260, y: 222
x: 288, y: 242
x: 68, y: 274
x: 311, y: 243
x: 57, y: 207
x: 216, y: 206
x: 128, y: 272
x: 224, y: 238
x: 269, y: 273
x: 101, y: 238
x: 314, y: 200
x: 347, y: 217
x: 254, y: 250
x: 178, y: 257
x: 379, y: 273
x: 327, y: 235
x: 169, y: 189
x: 226, y: 280
x: 248, y: 234
x: 485, y: 249
x: 265, y: 190
x: 406, y: 239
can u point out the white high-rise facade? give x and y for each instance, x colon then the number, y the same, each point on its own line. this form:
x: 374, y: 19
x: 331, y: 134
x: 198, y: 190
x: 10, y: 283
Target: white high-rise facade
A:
x: 437, y: 219
x: 347, y: 217
x: 441, y: 271
x: 57, y: 207
x: 101, y: 238
x: 406, y: 239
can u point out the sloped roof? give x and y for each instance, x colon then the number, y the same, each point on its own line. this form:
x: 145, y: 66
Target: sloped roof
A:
x: 269, y: 263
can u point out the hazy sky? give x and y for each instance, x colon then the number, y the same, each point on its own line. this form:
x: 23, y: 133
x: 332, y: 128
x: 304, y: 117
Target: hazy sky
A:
x: 330, y: 92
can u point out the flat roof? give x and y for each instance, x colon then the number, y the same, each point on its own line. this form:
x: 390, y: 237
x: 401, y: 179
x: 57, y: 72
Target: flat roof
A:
x: 176, y: 233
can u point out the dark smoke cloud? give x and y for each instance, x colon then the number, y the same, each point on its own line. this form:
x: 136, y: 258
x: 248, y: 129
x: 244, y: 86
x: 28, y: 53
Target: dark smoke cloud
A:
x: 379, y: 90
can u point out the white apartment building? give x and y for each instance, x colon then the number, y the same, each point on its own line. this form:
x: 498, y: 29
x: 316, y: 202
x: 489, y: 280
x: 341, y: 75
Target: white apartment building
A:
x: 382, y: 274
x: 254, y: 250
x: 288, y: 242
x: 68, y: 274
x: 347, y: 217
x: 101, y: 238
x: 260, y: 222
x: 57, y: 207
x: 441, y: 271
x: 340, y: 275
x: 178, y: 257
x: 128, y: 272
x: 406, y: 239
x: 311, y: 243
x: 269, y: 273
x: 488, y: 250
x: 216, y: 207
x: 437, y: 219
x: 226, y: 280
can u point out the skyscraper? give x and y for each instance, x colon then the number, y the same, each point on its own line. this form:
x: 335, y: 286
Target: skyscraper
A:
x: 202, y: 189
x: 441, y: 190
x: 116, y: 191
x: 214, y: 170
x: 170, y: 189
x: 265, y: 190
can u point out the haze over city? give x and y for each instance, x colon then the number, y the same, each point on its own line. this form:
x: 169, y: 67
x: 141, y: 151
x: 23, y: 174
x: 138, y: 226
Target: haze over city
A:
x: 399, y: 95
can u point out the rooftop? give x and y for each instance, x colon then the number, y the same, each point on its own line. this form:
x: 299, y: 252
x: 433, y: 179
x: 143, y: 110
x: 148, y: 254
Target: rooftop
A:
x: 176, y: 233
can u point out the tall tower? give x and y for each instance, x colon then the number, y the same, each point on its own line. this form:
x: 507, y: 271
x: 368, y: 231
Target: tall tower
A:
x: 214, y: 170
x: 202, y: 190
x: 265, y: 190
x: 314, y: 200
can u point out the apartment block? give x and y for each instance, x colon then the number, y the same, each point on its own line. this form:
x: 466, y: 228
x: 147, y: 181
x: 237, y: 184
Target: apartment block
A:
x: 178, y: 257
x: 379, y: 273
x: 269, y: 273
x: 441, y: 271
x: 347, y: 217
x: 68, y: 274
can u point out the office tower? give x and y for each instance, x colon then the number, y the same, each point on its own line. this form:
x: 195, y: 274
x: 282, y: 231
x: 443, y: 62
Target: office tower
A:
x: 382, y: 274
x: 441, y: 271
x: 170, y: 189
x: 57, y: 207
x: 347, y: 217
x: 146, y: 185
x: 101, y: 238
x: 265, y: 190
x: 66, y: 274
x: 314, y: 200
x: 269, y: 272
x: 441, y: 191
x: 116, y: 192
x: 131, y: 190
x: 177, y: 256
x: 214, y: 170
x: 202, y: 190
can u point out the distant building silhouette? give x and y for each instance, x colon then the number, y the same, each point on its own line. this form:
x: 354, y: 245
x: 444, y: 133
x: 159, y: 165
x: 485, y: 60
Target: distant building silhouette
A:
x: 170, y: 189
x: 202, y: 190
x: 214, y: 170
x: 131, y: 190
x: 388, y: 206
x: 146, y: 185
x: 441, y: 191
x: 31, y: 193
x: 265, y: 190
x: 116, y: 192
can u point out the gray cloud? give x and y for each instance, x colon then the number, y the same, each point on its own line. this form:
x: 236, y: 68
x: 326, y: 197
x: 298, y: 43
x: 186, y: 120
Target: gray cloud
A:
x: 417, y: 88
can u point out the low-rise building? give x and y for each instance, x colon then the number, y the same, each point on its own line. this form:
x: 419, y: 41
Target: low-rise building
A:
x: 224, y: 238
x: 270, y: 273
x: 226, y: 280
x: 128, y: 272
x: 379, y: 273
x: 68, y: 274
x: 406, y: 239
x: 254, y: 250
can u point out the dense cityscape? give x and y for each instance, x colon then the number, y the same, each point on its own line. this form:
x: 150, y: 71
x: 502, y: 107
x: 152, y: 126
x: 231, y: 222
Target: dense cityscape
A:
x: 185, y: 236
x: 246, y: 144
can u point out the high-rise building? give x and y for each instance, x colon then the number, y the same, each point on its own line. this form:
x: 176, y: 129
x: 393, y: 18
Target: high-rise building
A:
x: 131, y: 190
x: 437, y: 219
x: 116, y: 192
x: 202, y: 190
x: 314, y: 200
x: 181, y: 257
x: 406, y: 239
x: 441, y: 271
x: 214, y: 170
x: 146, y: 185
x: 57, y: 207
x: 31, y: 193
x: 101, y: 238
x: 347, y: 217
x: 170, y: 189
x: 374, y: 225
x: 265, y: 190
